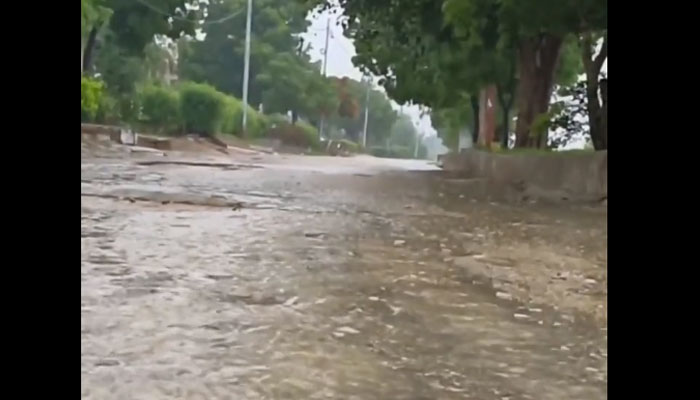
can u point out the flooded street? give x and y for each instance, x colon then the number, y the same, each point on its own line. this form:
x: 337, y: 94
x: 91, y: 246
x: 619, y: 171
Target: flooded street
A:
x: 290, y: 277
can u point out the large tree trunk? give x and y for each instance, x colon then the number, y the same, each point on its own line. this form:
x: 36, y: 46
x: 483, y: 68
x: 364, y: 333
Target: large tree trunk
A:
x: 537, y: 62
x: 475, y: 124
x: 89, y: 55
x: 487, y: 115
x: 597, y: 117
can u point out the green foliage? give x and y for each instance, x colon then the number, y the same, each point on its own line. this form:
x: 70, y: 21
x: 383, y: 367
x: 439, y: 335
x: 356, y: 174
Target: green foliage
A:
x: 233, y: 114
x: 351, y: 146
x: 218, y: 59
x: 392, y: 152
x: 93, y: 13
x: 161, y: 108
x: 108, y: 111
x: 277, y: 119
x: 135, y: 24
x: 91, y: 93
x: 120, y: 71
x: 129, y: 109
x: 348, y: 107
x: 310, y: 133
x: 157, y: 62
x: 299, y: 135
x: 542, y: 122
x: 437, y: 52
x: 321, y: 98
x: 570, y: 62
x: 381, y: 117
x: 285, y: 82
x: 202, y: 108
x: 257, y: 123
x: 233, y: 119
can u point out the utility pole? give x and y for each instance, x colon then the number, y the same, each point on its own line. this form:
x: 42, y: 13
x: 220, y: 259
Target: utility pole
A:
x: 323, y: 72
x: 246, y: 65
x: 364, y: 130
x: 415, y: 150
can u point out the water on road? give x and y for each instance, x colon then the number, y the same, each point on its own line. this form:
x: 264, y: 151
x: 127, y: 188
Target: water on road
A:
x: 336, y: 279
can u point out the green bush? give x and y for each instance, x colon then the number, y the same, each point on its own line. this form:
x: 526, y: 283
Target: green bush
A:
x: 311, y: 134
x: 351, y: 146
x: 300, y: 135
x: 202, y: 108
x: 257, y: 123
x: 233, y: 111
x: 108, y: 111
x: 161, y: 108
x: 91, y: 93
x: 277, y: 119
x: 129, y: 109
x: 392, y: 152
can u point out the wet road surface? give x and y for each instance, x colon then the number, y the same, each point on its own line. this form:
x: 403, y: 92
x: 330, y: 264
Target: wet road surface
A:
x: 336, y: 279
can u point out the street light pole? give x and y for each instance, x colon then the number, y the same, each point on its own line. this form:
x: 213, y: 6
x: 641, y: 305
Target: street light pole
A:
x: 323, y: 72
x: 415, y: 150
x: 246, y: 65
x: 364, y: 130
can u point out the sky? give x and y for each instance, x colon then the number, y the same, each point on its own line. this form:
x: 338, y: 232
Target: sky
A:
x: 341, y: 50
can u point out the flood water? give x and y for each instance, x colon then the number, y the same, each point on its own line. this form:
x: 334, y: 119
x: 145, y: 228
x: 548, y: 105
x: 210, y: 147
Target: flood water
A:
x: 335, y: 279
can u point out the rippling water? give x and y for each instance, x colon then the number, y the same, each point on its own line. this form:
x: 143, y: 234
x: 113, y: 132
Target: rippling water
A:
x: 324, y: 286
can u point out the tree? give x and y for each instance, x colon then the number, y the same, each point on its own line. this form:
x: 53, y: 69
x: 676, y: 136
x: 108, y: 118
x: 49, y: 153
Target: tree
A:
x: 136, y: 22
x: 380, y: 118
x: 94, y: 15
x: 420, y: 58
x: 597, y: 106
x: 321, y: 97
x: 120, y: 70
x: 133, y: 24
x: 292, y: 83
x: 348, y: 107
x: 285, y: 81
x: 218, y: 59
x: 436, y: 53
x: 538, y: 29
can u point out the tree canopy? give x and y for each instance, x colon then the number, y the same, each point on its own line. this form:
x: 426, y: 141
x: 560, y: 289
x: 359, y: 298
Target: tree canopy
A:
x: 350, y: 116
x: 218, y: 58
x: 436, y: 53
